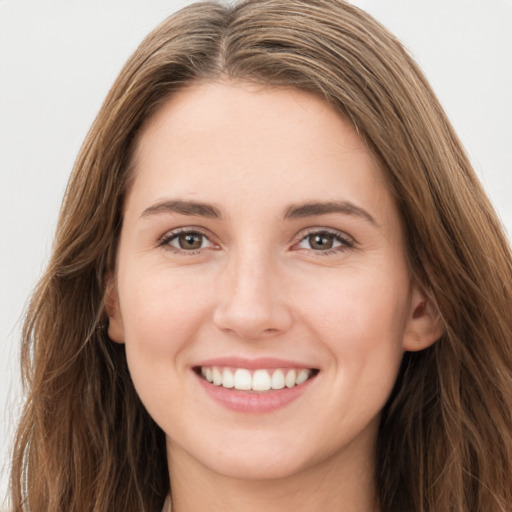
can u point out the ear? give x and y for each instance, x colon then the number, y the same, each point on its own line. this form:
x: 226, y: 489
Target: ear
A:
x: 424, y: 325
x: 115, y: 321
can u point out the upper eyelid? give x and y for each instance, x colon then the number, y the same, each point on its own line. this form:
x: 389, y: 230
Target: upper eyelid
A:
x: 318, y: 229
x: 186, y: 229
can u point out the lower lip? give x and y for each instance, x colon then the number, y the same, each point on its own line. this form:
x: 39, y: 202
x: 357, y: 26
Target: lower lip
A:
x: 252, y: 402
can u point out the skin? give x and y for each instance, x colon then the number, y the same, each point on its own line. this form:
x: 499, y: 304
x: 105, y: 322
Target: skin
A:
x: 258, y: 286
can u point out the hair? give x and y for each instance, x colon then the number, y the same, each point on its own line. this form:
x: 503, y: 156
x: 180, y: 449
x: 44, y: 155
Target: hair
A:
x: 85, y: 441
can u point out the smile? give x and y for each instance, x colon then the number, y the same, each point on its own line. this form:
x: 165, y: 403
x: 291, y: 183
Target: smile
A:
x: 258, y: 380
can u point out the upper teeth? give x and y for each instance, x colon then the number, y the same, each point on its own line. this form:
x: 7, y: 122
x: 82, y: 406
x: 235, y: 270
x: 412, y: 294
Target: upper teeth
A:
x: 258, y: 380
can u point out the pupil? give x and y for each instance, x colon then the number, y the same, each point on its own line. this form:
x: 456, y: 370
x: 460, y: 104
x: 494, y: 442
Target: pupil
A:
x: 321, y: 242
x: 190, y: 241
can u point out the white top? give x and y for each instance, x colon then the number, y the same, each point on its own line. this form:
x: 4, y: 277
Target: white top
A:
x: 167, y: 504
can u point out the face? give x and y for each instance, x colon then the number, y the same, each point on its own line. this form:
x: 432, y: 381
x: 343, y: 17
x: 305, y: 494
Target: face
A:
x: 261, y: 285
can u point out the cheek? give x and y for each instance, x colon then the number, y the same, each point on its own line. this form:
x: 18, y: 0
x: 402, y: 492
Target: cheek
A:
x: 162, y: 314
x: 360, y: 310
x: 361, y: 323
x: 161, y: 309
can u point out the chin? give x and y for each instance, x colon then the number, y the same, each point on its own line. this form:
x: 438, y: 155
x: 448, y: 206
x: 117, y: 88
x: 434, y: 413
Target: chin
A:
x: 260, y: 458
x: 255, y: 468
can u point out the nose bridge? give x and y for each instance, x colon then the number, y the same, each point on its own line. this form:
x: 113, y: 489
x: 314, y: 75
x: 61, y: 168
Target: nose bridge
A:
x: 251, y: 302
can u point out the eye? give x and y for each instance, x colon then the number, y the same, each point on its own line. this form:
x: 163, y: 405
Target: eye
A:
x: 186, y: 241
x: 325, y: 241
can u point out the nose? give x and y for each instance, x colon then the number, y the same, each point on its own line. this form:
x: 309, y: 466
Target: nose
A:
x: 252, y: 302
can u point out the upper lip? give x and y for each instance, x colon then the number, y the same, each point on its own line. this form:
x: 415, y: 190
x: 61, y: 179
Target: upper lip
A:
x: 253, y: 364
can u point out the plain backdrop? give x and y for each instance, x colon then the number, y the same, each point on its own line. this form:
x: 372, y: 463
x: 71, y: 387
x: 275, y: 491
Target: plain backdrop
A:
x: 58, y: 59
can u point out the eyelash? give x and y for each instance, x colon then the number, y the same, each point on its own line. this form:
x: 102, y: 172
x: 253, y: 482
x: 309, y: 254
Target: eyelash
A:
x: 166, y: 240
x: 345, y: 242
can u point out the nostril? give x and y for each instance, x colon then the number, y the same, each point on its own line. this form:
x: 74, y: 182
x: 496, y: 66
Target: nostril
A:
x: 252, y: 321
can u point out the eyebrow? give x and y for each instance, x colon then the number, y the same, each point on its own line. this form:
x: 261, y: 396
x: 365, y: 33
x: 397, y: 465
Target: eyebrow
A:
x: 183, y: 208
x: 296, y: 211
x: 300, y: 211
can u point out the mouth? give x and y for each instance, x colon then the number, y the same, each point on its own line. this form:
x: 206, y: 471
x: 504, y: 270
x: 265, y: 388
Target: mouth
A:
x: 259, y: 380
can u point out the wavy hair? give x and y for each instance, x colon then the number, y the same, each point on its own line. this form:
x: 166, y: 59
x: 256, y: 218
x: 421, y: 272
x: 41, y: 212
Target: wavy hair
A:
x: 85, y: 442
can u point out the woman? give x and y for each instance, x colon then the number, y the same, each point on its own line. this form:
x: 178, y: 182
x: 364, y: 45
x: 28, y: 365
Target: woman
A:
x: 276, y: 283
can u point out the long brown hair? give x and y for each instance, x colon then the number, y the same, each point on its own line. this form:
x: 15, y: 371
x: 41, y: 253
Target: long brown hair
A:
x: 85, y: 442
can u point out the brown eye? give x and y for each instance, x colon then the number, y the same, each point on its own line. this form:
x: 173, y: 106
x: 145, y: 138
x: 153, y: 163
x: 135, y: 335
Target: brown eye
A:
x: 325, y: 242
x: 321, y: 241
x: 188, y: 241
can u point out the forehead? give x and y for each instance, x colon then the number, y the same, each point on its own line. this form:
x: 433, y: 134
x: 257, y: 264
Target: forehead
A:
x: 234, y: 140
x: 212, y: 114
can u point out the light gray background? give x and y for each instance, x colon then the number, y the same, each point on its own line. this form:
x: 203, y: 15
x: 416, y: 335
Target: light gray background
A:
x: 58, y: 59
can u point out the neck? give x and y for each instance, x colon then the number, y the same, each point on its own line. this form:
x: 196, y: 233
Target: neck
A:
x: 329, y: 485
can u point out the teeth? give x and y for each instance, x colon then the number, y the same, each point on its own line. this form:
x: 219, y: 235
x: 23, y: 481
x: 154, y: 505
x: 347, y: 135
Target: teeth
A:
x: 261, y: 381
x: 217, y: 377
x: 242, y: 379
x: 278, y: 380
x: 302, y: 376
x: 227, y: 379
x: 291, y: 378
x: 258, y: 380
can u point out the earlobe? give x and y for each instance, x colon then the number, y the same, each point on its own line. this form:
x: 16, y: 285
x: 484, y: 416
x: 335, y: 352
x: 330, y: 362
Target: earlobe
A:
x: 115, y: 321
x: 424, y: 326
